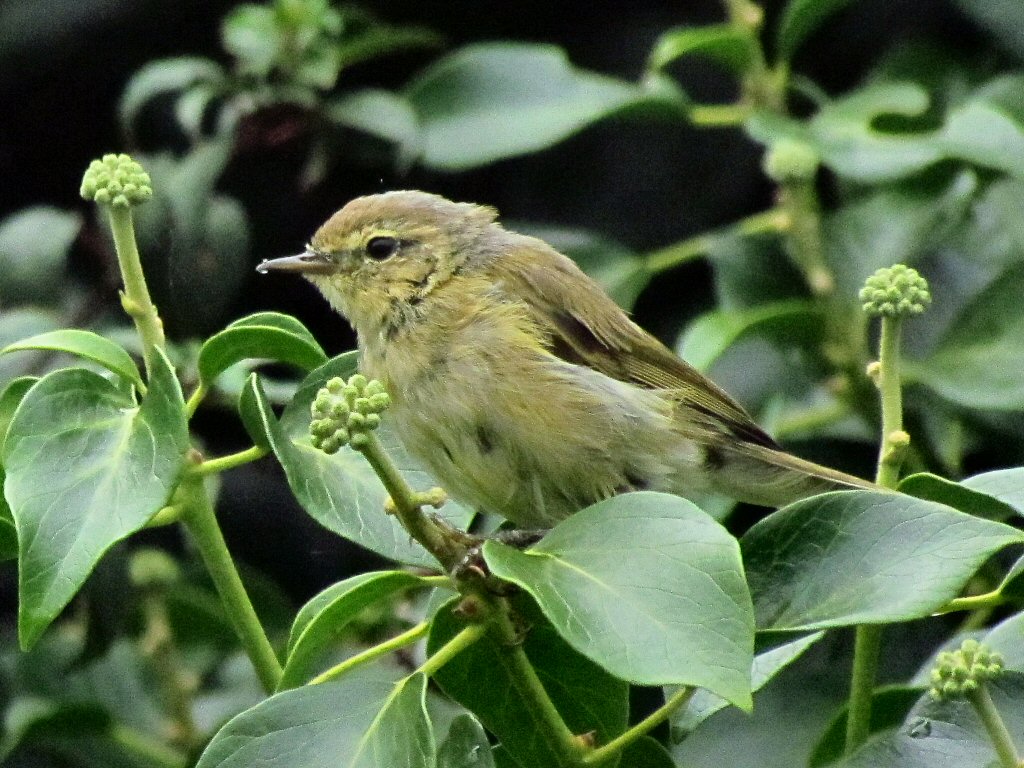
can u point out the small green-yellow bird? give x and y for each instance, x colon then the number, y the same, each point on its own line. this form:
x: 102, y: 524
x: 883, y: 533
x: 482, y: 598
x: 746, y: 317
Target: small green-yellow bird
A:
x: 520, y: 385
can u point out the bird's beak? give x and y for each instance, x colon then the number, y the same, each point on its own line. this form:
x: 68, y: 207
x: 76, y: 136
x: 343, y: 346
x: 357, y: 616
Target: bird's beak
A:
x: 308, y: 263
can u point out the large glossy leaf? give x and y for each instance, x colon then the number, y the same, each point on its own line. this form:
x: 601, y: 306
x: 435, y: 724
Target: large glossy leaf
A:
x: 925, y: 485
x: 480, y: 678
x: 363, y: 720
x: 265, y: 335
x: 847, y: 557
x: 793, y: 322
x: 321, y: 620
x: 86, y: 466
x: 490, y: 101
x: 978, y: 362
x: 728, y: 44
x: 846, y: 135
x: 86, y: 344
x: 341, y: 491
x: 465, y: 746
x: 767, y: 664
x: 1006, y: 485
x: 648, y: 586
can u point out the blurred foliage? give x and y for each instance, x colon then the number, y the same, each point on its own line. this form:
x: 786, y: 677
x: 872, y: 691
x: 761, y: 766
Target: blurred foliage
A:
x: 922, y: 162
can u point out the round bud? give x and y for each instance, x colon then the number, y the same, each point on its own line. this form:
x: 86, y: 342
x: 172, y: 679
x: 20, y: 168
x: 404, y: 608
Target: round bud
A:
x: 330, y: 445
x: 358, y: 381
x: 791, y: 160
x: 373, y: 387
x: 361, y: 404
x: 356, y: 421
x: 335, y: 385
x: 339, y: 410
x: 372, y: 421
x: 380, y: 401
x: 359, y: 441
x: 896, y: 291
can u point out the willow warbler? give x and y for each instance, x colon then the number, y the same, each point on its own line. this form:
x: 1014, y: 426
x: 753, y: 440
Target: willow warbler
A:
x: 517, y: 381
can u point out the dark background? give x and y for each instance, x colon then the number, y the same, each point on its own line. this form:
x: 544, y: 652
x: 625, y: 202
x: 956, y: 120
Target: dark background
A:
x: 64, y: 63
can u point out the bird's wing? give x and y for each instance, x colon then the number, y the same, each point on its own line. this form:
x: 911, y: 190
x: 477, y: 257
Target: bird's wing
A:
x: 586, y: 327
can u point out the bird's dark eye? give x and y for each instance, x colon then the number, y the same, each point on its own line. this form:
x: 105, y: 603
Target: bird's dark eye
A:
x: 381, y: 248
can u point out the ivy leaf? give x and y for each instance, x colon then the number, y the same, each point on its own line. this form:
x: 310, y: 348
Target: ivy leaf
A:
x: 646, y: 585
x: 925, y: 485
x: 465, y: 746
x: 325, y: 616
x: 264, y: 335
x: 86, y: 344
x: 726, y: 44
x: 845, y: 558
x: 86, y: 466
x: 587, y: 697
x: 792, y: 322
x: 490, y: 101
x: 363, y: 719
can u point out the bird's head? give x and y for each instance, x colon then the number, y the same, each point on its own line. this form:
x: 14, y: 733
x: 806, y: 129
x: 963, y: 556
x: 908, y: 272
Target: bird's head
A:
x: 381, y: 254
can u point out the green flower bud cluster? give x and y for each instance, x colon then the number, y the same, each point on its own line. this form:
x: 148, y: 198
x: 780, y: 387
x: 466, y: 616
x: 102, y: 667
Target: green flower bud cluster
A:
x: 345, y: 411
x: 959, y: 673
x: 896, y: 291
x: 116, y: 180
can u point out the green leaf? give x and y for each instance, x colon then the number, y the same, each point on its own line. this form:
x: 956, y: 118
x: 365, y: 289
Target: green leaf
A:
x: 800, y: 19
x: 889, y: 706
x: 12, y: 396
x: 265, y: 335
x: 1003, y: 19
x: 87, y: 344
x: 925, y: 485
x: 946, y: 734
x: 360, y: 721
x: 767, y: 664
x: 646, y: 585
x: 794, y: 322
x: 646, y: 753
x: 34, y: 244
x: 587, y: 697
x: 465, y: 746
x: 321, y: 620
x: 30, y: 719
x: 252, y: 35
x: 726, y: 44
x: 490, y: 101
x: 161, y: 77
x: 86, y: 466
x: 847, y: 557
x: 1006, y: 485
x: 621, y: 272
x: 978, y: 362
x: 341, y: 491
x: 250, y: 414
x: 380, y: 113
x: 1012, y: 586
x: 1007, y: 638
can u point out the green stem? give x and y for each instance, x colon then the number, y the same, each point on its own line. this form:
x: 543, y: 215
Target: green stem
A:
x: 718, y: 115
x: 453, y: 648
x: 890, y: 455
x: 805, y: 240
x: 982, y: 702
x: 146, y: 748
x: 195, y: 399
x: 136, y: 300
x: 408, y: 506
x: 364, y: 657
x: 524, y: 678
x: 656, y: 718
x: 201, y: 521
x: 773, y: 220
x: 222, y: 463
x: 165, y: 516
x: 973, y: 602
x: 867, y: 644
